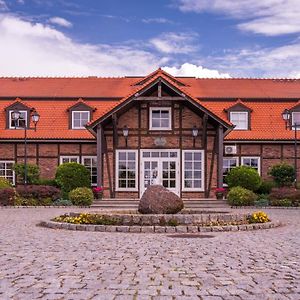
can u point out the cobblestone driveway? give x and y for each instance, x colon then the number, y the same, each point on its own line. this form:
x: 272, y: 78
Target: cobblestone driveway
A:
x: 56, y: 264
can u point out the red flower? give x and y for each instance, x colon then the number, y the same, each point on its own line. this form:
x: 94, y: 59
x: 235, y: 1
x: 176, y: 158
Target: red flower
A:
x: 98, y: 189
x: 220, y: 190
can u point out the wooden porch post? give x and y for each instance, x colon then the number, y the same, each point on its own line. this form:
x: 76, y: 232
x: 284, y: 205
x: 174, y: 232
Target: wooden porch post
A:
x: 220, y: 156
x: 99, y: 155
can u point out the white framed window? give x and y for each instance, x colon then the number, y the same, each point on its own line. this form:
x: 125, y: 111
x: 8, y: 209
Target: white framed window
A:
x: 6, y: 170
x: 160, y: 118
x: 296, y: 119
x: 239, y: 119
x: 193, y: 170
x: 90, y: 162
x: 228, y: 164
x: 21, y: 122
x: 68, y: 159
x: 126, y: 170
x: 251, y: 161
x: 80, y: 119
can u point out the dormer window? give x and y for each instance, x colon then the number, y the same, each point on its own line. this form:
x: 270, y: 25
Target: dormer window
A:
x: 21, y: 122
x: 239, y: 114
x: 80, y: 114
x: 160, y: 118
x: 80, y: 119
x: 296, y: 119
x: 239, y: 119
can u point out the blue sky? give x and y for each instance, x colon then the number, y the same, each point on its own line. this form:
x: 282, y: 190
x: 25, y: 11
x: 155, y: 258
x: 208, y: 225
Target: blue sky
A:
x: 203, y: 38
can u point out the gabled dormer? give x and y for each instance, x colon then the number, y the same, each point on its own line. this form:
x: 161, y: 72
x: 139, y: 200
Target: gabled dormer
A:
x: 239, y: 115
x: 80, y: 114
x: 24, y: 111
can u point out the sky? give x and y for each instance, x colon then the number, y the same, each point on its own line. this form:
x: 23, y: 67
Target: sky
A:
x: 201, y: 38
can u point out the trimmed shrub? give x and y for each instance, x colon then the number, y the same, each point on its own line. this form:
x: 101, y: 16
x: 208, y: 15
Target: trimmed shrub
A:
x: 33, y: 173
x: 62, y: 202
x: 81, y: 196
x: 283, y: 174
x: 265, y: 187
x: 7, y: 196
x: 4, y: 183
x: 70, y: 176
x: 245, y: 177
x: 261, y: 202
x: 285, y: 193
x: 43, y: 181
x: 239, y: 196
x: 20, y: 201
x: 39, y: 192
x: 281, y: 202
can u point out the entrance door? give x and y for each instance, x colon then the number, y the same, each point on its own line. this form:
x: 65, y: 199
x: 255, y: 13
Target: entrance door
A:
x: 160, y: 167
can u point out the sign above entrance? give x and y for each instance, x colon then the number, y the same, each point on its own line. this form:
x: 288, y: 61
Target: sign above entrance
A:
x: 160, y: 141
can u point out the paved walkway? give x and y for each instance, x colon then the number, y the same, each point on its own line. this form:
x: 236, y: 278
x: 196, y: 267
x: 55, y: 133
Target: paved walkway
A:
x: 40, y: 263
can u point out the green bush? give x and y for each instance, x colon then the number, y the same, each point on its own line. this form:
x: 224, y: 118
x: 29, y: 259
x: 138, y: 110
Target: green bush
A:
x: 283, y: 174
x: 70, y: 176
x: 285, y: 193
x: 81, y: 196
x: 33, y: 173
x: 49, y: 182
x: 62, y: 202
x: 245, y: 177
x: 239, y: 196
x: 265, y: 187
x: 261, y: 202
x: 281, y: 202
x: 4, y: 183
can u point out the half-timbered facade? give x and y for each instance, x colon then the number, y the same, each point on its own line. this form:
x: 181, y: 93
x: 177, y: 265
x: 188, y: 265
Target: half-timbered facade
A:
x: 131, y: 132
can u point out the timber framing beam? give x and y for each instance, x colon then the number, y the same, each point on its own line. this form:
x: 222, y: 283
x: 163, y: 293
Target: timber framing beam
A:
x: 220, y: 156
x: 99, y: 155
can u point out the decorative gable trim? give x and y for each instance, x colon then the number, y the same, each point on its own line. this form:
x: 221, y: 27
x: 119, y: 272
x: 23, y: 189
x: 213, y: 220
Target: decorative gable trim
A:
x: 157, y: 73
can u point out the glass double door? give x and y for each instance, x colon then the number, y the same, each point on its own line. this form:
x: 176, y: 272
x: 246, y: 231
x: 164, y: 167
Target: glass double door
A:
x: 160, y: 167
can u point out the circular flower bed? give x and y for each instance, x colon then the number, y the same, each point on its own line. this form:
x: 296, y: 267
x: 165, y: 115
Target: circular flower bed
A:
x: 134, y: 222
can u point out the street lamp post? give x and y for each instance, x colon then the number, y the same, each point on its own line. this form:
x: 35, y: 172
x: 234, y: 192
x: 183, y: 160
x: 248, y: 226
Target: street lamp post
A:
x: 34, y: 117
x: 287, y: 117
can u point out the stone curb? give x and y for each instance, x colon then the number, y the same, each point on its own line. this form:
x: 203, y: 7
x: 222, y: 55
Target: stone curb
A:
x: 44, y: 206
x: 158, y: 229
x: 265, y: 207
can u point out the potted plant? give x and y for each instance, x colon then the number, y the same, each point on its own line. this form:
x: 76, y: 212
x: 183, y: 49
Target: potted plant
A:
x: 98, y: 192
x: 220, y: 193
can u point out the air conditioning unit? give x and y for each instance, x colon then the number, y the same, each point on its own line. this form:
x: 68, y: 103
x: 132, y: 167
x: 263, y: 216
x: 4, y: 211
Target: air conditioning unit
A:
x: 230, y: 149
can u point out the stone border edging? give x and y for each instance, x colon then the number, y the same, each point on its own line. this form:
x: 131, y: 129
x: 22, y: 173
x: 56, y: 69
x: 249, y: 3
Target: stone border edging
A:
x: 265, y: 207
x: 158, y: 229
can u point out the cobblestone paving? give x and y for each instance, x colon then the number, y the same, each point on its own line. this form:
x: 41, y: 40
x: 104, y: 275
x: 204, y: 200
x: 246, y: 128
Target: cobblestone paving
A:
x: 40, y: 263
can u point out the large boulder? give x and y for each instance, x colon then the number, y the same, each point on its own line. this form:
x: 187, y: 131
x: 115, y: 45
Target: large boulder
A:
x: 159, y: 200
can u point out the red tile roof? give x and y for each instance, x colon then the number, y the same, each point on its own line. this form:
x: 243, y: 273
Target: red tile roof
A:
x: 51, y: 97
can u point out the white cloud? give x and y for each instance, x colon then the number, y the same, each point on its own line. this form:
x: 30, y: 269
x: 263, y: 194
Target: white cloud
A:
x: 3, y: 6
x: 283, y: 61
x: 268, y: 17
x: 192, y: 70
x: 173, y: 42
x: 34, y: 49
x: 61, y: 22
x: 157, y: 20
x: 21, y: 1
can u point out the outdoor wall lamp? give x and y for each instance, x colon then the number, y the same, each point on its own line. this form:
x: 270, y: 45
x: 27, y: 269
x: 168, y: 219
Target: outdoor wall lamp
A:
x: 195, y: 132
x: 34, y: 117
x: 125, y: 134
